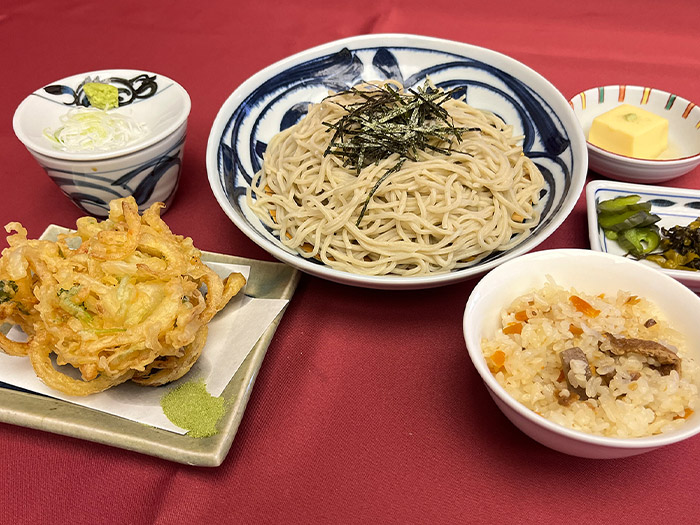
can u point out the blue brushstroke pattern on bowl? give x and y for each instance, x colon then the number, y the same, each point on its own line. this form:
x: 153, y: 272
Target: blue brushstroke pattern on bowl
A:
x: 280, y: 100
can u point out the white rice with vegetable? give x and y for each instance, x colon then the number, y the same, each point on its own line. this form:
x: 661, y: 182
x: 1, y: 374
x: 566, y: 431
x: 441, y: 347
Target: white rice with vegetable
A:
x: 608, y: 365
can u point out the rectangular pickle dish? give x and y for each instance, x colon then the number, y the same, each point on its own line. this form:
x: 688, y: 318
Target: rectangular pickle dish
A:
x: 675, y: 206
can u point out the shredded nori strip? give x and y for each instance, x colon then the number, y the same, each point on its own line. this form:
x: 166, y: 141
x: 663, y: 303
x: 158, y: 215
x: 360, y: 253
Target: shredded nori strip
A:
x: 388, y: 122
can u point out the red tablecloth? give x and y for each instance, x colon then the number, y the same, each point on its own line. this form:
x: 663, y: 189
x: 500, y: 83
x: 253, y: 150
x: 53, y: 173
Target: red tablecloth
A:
x: 367, y: 408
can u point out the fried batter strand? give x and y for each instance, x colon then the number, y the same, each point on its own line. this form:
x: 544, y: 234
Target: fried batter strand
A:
x: 117, y: 300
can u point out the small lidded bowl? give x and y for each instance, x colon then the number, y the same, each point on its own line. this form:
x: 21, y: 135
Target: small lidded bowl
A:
x: 533, y: 370
x: 108, y: 134
x: 683, y: 152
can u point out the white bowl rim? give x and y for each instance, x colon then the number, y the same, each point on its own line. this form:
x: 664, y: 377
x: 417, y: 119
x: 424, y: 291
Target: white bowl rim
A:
x: 47, y: 151
x: 494, y: 386
x: 626, y: 158
x: 576, y: 137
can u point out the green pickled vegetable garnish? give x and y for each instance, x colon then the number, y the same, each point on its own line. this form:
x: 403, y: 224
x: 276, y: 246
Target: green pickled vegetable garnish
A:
x: 680, y: 247
x: 617, y: 204
x: 101, y: 96
x: 631, y: 224
x: 639, y: 241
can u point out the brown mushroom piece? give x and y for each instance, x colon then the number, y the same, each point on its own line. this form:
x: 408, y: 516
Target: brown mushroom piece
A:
x: 667, y: 358
x: 574, y: 354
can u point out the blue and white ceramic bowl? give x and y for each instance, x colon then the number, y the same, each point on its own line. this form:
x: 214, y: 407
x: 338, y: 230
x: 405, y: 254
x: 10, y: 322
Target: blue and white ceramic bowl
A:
x: 147, y: 169
x: 277, y: 97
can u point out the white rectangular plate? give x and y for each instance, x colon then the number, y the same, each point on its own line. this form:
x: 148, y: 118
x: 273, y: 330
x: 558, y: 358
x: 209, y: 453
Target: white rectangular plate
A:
x: 675, y: 206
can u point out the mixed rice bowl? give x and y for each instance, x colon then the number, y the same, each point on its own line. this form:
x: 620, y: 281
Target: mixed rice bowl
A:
x: 607, y: 364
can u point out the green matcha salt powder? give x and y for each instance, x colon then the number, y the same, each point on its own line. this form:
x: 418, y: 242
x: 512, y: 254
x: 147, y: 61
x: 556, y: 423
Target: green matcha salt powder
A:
x: 191, y: 407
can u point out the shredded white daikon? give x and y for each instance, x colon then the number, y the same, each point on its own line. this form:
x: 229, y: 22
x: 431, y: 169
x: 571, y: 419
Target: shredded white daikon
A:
x: 90, y: 129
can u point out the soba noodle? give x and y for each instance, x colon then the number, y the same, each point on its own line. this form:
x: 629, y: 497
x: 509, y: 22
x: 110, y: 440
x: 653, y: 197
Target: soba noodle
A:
x: 438, y: 213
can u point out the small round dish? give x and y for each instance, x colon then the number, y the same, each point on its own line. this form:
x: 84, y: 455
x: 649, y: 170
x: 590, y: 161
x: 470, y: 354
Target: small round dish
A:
x: 278, y: 96
x: 588, y: 272
x: 683, y: 153
x: 147, y: 169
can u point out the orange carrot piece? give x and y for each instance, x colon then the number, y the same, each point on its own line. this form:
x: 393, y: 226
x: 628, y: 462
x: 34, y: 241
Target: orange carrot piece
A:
x: 688, y: 412
x: 521, y: 316
x: 584, y: 307
x: 498, y: 358
x: 513, y: 328
x: 576, y: 330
